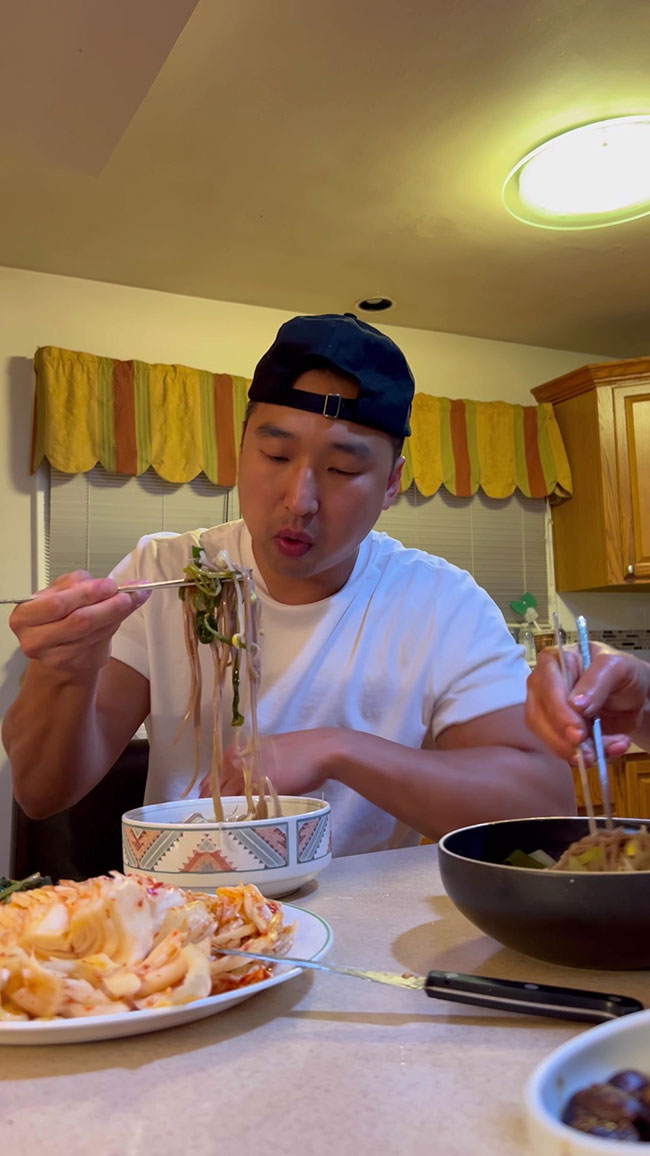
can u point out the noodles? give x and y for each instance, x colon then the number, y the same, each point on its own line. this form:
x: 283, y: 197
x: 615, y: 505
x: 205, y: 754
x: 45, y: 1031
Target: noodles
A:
x: 222, y: 611
x: 608, y: 850
x: 123, y: 943
x: 614, y: 849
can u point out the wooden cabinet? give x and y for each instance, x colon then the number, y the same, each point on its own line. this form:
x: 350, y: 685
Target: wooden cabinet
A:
x: 629, y: 785
x: 601, y: 535
x: 636, y: 771
x: 632, y: 425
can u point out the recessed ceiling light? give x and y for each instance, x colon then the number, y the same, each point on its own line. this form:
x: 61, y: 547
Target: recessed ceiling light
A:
x: 588, y: 177
x: 375, y: 304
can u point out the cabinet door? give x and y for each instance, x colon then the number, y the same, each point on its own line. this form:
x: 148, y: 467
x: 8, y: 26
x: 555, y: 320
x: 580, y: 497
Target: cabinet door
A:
x: 632, y: 418
x: 617, y: 789
x: 637, y: 781
x: 586, y: 541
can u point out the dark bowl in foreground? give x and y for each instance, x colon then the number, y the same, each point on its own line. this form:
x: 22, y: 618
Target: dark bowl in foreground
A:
x: 577, y: 919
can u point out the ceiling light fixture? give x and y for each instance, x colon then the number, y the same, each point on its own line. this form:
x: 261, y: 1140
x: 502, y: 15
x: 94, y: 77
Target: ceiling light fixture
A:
x: 375, y: 304
x: 585, y: 178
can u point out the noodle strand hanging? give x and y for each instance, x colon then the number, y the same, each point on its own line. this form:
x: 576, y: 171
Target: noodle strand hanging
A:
x: 221, y: 610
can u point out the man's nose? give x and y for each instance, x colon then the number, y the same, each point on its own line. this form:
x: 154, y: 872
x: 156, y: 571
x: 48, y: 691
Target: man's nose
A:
x: 301, y: 496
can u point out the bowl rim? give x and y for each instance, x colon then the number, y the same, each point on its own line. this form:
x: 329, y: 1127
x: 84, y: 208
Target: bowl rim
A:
x: 129, y: 819
x: 620, y: 819
x: 565, y: 1053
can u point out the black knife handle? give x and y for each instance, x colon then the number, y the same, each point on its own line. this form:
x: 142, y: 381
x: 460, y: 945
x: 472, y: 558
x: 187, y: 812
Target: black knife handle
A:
x: 537, y: 999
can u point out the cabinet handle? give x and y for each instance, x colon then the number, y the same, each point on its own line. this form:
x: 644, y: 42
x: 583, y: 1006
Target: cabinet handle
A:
x: 629, y: 570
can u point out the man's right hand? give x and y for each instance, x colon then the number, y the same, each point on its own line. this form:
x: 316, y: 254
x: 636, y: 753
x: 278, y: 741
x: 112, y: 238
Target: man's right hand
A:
x: 76, y: 708
x: 68, y: 627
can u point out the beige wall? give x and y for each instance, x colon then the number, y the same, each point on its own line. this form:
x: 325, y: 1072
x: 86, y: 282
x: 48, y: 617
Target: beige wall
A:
x: 116, y: 321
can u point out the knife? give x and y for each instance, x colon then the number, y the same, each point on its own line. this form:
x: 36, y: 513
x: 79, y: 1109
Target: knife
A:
x: 536, y: 999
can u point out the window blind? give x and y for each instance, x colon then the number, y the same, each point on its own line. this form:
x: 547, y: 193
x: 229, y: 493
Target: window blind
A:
x: 95, y: 518
x: 502, y: 542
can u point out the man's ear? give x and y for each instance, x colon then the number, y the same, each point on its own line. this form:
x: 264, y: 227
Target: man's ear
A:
x: 392, y: 488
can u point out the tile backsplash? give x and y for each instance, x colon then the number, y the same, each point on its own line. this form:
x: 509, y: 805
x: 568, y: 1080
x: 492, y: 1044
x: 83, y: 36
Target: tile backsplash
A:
x: 621, y: 639
x: 618, y: 618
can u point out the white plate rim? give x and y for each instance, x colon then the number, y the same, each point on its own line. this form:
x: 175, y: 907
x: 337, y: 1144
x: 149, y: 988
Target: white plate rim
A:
x: 564, y: 1138
x: 86, y: 1029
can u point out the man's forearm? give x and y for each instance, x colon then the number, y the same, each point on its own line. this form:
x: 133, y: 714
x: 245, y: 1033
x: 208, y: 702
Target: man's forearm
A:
x: 436, y: 791
x: 55, y: 745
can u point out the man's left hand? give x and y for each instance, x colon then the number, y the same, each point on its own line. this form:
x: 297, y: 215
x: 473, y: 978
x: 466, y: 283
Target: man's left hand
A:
x: 297, y: 763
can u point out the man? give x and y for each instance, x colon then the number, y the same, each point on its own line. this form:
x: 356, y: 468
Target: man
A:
x: 389, y: 680
x: 614, y: 687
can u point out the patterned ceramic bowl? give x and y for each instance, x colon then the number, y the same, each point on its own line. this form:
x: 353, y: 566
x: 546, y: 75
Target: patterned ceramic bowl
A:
x: 180, y: 843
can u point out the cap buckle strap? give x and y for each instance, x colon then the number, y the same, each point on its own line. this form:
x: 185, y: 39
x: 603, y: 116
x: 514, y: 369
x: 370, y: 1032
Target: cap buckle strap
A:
x: 336, y: 397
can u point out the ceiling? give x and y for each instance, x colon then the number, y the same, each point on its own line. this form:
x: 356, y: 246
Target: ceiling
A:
x: 305, y: 154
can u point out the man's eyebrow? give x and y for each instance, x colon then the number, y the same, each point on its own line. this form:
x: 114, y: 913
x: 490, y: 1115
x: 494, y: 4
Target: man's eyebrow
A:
x: 268, y: 430
x: 356, y: 449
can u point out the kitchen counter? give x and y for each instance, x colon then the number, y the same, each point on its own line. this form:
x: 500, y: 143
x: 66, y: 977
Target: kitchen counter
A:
x: 322, y: 1063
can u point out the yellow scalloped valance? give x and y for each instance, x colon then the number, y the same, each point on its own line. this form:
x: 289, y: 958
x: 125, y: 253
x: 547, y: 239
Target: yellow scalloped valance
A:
x: 492, y: 445
x: 129, y: 415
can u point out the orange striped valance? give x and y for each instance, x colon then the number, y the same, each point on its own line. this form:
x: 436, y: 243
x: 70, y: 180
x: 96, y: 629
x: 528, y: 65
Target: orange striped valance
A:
x: 464, y: 445
x: 129, y: 415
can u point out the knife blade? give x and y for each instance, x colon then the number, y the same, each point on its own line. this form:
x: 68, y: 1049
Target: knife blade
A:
x: 483, y: 991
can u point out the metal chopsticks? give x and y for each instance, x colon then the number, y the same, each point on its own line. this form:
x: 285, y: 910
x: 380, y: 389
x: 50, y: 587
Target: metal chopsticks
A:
x: 597, y: 735
x: 584, y: 779
x: 169, y: 583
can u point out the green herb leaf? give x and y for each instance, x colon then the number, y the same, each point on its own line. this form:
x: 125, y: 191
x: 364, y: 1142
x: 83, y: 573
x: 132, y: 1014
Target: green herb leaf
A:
x: 28, y: 884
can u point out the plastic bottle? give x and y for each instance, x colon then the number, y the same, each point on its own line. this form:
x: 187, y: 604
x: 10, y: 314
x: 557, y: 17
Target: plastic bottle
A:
x: 527, y: 640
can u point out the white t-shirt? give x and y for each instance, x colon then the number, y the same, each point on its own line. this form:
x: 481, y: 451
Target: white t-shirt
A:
x: 409, y: 646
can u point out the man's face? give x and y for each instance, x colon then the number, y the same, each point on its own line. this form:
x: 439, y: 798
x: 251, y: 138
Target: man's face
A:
x: 310, y: 489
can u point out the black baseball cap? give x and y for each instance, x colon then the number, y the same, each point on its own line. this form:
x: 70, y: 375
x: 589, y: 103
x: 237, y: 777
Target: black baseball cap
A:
x: 342, y: 343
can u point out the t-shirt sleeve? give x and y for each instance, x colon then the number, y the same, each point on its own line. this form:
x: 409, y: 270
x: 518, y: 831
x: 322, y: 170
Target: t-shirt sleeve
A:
x: 129, y: 643
x: 481, y: 668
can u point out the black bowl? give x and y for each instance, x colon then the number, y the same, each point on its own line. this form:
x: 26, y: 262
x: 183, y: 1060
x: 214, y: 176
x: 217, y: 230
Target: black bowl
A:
x: 598, y: 920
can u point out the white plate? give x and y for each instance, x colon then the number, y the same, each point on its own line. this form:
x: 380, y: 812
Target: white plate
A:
x: 313, y: 938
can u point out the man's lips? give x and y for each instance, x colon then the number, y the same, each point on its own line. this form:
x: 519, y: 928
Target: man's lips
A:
x: 292, y: 545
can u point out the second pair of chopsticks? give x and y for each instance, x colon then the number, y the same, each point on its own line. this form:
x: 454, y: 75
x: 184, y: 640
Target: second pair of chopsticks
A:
x: 169, y: 584
x: 585, y: 658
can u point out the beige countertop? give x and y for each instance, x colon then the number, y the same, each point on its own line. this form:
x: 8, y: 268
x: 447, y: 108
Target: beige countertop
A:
x: 321, y: 1064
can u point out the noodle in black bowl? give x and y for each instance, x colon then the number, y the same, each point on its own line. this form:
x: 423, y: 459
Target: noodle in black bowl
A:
x: 181, y: 843
x: 574, y: 918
